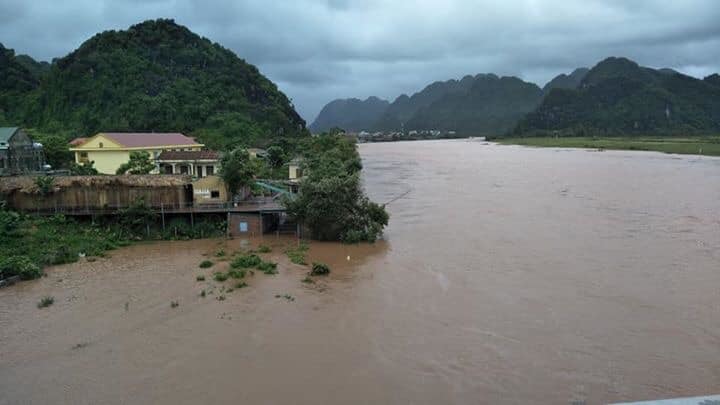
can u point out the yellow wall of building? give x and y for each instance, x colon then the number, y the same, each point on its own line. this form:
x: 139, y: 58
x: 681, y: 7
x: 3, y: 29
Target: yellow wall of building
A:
x: 107, y: 161
x: 203, y: 187
x: 108, y: 155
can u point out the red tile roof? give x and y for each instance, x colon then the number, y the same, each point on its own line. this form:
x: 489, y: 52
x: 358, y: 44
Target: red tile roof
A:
x: 189, y: 155
x: 149, y: 139
x: 78, y: 141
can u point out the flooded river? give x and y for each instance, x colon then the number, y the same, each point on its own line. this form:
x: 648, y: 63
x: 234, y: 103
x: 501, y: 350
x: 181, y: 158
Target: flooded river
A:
x: 507, y: 275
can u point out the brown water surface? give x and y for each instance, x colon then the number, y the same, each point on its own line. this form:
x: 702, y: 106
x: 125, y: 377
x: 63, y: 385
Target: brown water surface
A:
x: 507, y: 275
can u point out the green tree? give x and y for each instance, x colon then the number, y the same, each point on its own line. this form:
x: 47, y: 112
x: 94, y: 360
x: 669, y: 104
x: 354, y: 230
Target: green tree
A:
x: 139, y: 163
x: 331, y: 201
x: 236, y: 170
x: 84, y: 169
x: 275, y: 156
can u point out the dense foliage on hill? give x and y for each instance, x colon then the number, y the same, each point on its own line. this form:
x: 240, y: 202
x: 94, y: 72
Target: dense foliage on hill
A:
x: 351, y: 114
x: 15, y: 81
x: 619, y: 97
x: 155, y: 76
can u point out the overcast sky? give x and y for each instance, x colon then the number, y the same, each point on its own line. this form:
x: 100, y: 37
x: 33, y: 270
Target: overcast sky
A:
x: 319, y: 50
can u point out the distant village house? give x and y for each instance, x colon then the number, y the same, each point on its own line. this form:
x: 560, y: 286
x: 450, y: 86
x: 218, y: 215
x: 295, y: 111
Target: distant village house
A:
x: 199, y: 163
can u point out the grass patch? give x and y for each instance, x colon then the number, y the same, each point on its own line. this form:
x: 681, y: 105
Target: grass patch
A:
x: 308, y: 280
x: 288, y: 297
x: 241, y: 284
x: 200, y: 278
x: 235, y: 273
x: 46, y: 301
x: 687, y: 146
x: 296, y: 254
x: 220, y: 253
x: 220, y: 276
x: 320, y: 269
x: 246, y: 261
x: 264, y: 249
x: 206, y: 264
x: 268, y: 267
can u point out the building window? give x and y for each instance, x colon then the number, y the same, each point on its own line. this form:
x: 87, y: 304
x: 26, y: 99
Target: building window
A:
x: 83, y: 157
x: 243, y: 226
x: 215, y: 194
x: 183, y: 170
x: 209, y: 170
x: 2, y: 163
x: 100, y: 145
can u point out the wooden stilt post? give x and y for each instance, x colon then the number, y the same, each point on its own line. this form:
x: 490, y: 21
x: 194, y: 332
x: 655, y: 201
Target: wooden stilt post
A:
x: 162, y: 214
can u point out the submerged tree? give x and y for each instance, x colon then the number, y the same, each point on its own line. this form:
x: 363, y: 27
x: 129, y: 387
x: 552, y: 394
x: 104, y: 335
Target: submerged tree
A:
x: 331, y: 201
x: 236, y: 170
x: 139, y: 163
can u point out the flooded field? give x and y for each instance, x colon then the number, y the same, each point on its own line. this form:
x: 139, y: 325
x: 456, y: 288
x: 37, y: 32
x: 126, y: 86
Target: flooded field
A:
x: 507, y: 275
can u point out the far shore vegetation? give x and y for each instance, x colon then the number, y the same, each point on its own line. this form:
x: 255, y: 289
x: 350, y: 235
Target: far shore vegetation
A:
x: 709, y: 145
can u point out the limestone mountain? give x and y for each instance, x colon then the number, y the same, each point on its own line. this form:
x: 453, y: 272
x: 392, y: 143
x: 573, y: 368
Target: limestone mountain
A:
x: 350, y: 114
x: 492, y: 105
x: 618, y: 96
x: 156, y: 76
x: 563, y: 81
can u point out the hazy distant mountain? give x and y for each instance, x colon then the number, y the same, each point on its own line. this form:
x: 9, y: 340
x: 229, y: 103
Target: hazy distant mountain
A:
x: 618, y: 96
x: 350, y: 114
x: 563, y: 81
x: 404, y: 107
x: 713, y: 79
x: 492, y: 105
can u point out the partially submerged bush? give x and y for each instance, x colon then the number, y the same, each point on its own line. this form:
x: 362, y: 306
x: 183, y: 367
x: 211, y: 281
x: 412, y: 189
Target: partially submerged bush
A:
x: 219, y: 276
x: 19, y: 266
x: 205, y: 264
x: 268, y: 267
x: 46, y: 301
x: 297, y: 254
x: 200, y: 277
x: 234, y: 273
x: 320, y: 269
x: 246, y: 261
x: 241, y: 284
x: 264, y: 249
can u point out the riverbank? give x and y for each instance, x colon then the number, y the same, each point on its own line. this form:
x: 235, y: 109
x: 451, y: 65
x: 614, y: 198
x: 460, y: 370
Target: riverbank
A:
x: 709, y: 146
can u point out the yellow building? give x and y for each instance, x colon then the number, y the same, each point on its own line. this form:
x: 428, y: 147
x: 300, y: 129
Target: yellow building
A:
x: 109, y: 150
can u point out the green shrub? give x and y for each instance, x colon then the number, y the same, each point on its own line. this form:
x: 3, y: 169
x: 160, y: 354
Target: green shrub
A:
x: 220, y: 253
x: 320, y: 269
x: 219, y: 276
x: 241, y: 284
x: 46, y: 301
x: 267, y: 267
x: 297, y: 254
x: 205, y: 264
x: 19, y: 266
x: 264, y: 249
x: 234, y: 273
x: 246, y: 261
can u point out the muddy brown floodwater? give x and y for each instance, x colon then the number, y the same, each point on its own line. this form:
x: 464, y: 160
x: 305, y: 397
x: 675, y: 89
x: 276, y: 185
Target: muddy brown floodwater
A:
x: 507, y: 275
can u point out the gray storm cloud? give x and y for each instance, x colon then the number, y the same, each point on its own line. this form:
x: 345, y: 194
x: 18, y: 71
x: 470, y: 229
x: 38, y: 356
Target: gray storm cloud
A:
x: 320, y: 50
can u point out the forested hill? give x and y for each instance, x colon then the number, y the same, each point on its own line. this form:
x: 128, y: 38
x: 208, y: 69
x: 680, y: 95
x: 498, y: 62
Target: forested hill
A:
x: 15, y: 81
x: 619, y: 97
x: 490, y: 106
x: 350, y: 114
x: 154, y: 76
